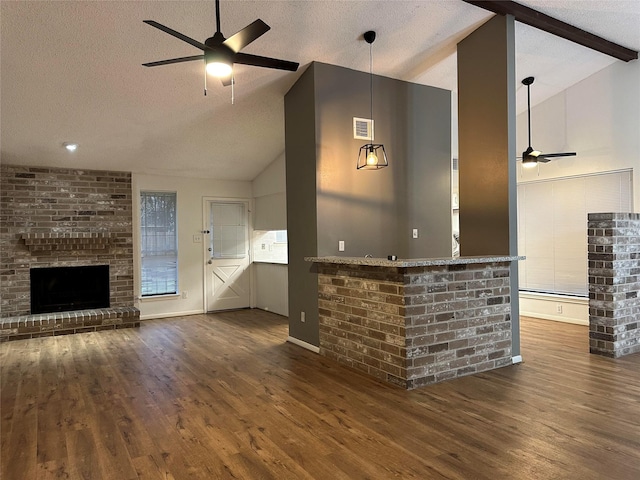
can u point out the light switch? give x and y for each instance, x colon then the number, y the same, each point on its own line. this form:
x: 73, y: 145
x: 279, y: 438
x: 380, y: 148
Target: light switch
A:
x: 415, y: 233
x: 341, y: 245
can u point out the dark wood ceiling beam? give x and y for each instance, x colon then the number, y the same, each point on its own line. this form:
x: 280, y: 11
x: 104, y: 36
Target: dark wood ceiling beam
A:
x: 557, y: 27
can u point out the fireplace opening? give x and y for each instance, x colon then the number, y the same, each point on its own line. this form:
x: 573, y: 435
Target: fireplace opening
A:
x: 63, y: 289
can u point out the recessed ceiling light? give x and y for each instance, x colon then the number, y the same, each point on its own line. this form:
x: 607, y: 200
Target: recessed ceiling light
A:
x: 70, y: 146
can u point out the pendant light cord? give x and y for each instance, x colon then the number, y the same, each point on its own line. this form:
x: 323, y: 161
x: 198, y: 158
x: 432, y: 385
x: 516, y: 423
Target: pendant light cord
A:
x: 371, y: 89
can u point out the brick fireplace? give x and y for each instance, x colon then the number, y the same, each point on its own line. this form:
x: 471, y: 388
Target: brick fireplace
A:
x: 52, y: 217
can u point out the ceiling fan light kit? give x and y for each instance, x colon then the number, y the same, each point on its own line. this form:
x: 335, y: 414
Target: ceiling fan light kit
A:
x: 371, y: 156
x: 531, y: 157
x: 220, y: 53
x: 218, y: 64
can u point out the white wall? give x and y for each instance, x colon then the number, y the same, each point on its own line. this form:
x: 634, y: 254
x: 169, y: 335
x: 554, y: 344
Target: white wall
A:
x: 271, y: 280
x: 271, y: 180
x: 599, y: 118
x: 190, y: 194
x: 271, y: 287
x: 555, y: 307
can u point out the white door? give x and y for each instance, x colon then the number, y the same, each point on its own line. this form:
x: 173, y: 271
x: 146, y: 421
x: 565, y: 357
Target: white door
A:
x: 228, y: 281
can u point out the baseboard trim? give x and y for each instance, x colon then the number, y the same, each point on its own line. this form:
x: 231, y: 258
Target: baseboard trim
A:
x: 167, y: 315
x: 516, y: 359
x: 555, y: 318
x: 300, y: 343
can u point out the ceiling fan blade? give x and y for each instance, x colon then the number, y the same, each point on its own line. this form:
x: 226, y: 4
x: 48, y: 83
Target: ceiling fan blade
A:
x: 179, y: 35
x: 248, y: 34
x: 257, y: 61
x: 226, y: 81
x: 554, y: 155
x: 173, y: 60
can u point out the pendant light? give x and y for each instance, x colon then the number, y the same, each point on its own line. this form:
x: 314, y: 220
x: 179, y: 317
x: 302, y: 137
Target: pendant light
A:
x: 371, y: 156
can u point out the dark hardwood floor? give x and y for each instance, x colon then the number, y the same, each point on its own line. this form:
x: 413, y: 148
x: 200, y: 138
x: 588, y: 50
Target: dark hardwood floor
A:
x: 224, y: 396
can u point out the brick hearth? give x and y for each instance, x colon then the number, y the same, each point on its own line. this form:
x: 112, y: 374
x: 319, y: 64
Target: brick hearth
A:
x: 65, y: 323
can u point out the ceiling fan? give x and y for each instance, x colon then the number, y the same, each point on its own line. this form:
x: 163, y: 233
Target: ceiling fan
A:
x: 531, y: 157
x: 221, y: 53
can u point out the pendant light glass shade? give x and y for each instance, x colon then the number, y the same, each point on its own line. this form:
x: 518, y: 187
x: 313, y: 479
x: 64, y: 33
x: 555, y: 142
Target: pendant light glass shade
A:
x: 371, y: 156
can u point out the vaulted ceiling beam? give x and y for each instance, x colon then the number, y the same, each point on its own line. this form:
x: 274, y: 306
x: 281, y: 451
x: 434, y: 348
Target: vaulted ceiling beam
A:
x: 557, y: 27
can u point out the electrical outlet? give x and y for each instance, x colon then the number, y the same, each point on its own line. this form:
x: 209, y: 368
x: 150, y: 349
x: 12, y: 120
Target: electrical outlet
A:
x: 415, y: 233
x: 559, y: 308
x: 341, y: 245
x: 197, y: 238
x: 185, y: 294
x: 303, y: 317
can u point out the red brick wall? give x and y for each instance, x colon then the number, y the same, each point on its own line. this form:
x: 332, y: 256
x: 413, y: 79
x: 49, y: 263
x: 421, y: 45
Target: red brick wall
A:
x: 419, y: 325
x: 39, y: 207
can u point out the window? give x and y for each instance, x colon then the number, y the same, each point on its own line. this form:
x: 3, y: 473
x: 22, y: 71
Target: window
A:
x: 552, y: 228
x: 228, y: 230
x: 159, y: 243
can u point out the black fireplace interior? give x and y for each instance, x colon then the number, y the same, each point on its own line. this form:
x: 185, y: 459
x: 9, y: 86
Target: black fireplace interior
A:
x: 63, y: 289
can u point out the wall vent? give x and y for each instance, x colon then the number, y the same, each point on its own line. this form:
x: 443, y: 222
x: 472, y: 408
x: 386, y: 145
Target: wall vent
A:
x: 454, y: 164
x: 362, y: 128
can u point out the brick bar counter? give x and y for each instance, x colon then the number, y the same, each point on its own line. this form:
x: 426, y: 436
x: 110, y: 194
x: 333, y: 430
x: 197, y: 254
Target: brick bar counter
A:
x: 415, y: 322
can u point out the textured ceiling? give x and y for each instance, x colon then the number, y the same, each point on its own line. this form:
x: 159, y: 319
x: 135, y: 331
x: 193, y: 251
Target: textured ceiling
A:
x: 71, y: 72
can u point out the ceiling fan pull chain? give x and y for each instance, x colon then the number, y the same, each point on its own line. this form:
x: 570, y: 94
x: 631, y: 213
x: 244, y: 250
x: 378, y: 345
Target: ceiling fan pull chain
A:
x: 205, y: 83
x: 233, y: 82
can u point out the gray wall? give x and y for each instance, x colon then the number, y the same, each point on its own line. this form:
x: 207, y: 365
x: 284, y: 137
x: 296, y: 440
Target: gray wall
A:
x: 487, y: 149
x: 300, y: 148
x: 372, y: 211
x: 486, y: 129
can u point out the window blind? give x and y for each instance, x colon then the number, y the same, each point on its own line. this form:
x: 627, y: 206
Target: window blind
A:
x: 159, y: 246
x: 229, y: 230
x: 552, y: 227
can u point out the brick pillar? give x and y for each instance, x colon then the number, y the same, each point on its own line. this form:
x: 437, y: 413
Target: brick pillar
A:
x: 614, y: 283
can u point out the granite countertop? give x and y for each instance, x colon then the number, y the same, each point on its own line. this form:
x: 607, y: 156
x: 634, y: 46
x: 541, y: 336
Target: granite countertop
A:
x: 411, y: 262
